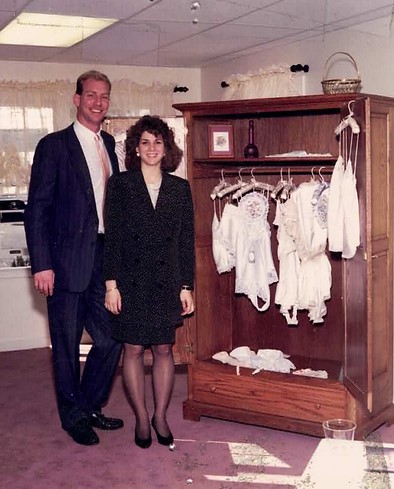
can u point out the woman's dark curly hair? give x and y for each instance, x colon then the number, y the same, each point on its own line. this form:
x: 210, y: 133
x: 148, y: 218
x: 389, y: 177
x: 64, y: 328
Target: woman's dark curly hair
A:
x: 156, y: 126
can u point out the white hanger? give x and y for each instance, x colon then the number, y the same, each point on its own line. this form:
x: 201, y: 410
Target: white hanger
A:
x: 287, y: 188
x: 348, y: 121
x: 320, y: 174
x: 313, y: 177
x: 253, y: 185
x: 222, y: 184
x: 322, y: 186
x: 231, y: 188
x: 279, y: 186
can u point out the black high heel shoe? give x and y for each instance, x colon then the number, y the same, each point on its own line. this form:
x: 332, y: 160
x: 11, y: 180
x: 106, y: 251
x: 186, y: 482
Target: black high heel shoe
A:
x: 163, y: 440
x: 142, y: 442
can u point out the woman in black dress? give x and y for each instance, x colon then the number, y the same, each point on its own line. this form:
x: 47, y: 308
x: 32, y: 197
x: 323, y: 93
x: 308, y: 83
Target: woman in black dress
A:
x: 149, y: 265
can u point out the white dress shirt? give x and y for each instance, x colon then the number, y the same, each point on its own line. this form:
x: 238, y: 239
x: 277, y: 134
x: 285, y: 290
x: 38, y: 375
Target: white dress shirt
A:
x: 86, y: 138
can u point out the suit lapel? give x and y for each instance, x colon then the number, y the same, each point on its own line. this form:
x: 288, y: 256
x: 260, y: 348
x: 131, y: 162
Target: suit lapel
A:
x: 165, y: 200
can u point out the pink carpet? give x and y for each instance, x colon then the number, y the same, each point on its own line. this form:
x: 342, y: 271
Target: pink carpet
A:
x: 210, y: 454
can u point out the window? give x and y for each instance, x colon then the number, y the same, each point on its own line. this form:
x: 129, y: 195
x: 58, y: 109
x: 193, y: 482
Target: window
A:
x: 30, y: 110
x: 20, y: 130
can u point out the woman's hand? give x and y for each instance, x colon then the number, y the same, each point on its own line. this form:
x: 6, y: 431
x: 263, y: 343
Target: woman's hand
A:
x: 113, y: 300
x: 187, y: 301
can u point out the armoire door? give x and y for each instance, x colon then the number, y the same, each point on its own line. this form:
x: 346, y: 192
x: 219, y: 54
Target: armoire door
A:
x: 368, y: 293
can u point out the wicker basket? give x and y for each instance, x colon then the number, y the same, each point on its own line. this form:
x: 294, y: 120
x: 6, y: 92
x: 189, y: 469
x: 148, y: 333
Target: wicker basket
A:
x: 344, y: 85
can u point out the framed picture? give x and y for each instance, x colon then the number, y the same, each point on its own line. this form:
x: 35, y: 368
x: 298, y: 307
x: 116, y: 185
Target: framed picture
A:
x: 221, y: 143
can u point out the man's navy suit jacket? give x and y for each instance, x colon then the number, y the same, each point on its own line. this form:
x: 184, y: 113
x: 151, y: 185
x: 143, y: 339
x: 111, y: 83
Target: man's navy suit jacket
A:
x: 61, y: 220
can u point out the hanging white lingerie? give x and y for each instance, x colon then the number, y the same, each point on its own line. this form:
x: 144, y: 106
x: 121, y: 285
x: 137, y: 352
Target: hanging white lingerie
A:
x: 306, y: 283
x: 224, y: 238
x: 242, y: 238
x: 343, y: 208
x: 289, y: 262
x: 335, y: 211
x: 255, y: 269
x: 351, y: 217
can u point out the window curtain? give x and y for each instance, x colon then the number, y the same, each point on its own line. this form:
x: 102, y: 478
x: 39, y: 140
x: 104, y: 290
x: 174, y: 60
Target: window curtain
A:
x: 130, y: 99
x: 275, y: 81
x: 30, y: 110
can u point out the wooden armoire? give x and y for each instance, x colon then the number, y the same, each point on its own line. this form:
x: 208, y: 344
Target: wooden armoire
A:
x: 355, y: 342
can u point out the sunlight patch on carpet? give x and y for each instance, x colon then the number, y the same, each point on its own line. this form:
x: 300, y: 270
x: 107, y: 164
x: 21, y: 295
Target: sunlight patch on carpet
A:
x: 255, y: 455
x: 252, y: 478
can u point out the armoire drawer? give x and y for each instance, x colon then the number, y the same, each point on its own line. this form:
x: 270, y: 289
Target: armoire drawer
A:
x: 275, y: 394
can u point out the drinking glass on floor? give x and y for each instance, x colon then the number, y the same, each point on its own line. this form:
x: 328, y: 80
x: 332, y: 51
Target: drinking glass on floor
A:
x: 340, y: 429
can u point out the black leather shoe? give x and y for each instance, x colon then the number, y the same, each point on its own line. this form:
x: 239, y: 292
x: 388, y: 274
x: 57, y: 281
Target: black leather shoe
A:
x: 142, y: 442
x: 163, y: 440
x: 101, y: 422
x: 82, y: 432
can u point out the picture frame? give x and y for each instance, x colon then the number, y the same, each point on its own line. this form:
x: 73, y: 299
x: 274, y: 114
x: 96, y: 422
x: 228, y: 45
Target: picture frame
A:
x: 221, y: 141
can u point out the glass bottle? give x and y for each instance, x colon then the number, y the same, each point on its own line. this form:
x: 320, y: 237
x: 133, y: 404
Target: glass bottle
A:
x: 251, y: 150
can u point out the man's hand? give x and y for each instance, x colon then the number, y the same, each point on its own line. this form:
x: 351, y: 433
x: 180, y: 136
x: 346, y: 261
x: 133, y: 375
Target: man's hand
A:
x: 44, y: 282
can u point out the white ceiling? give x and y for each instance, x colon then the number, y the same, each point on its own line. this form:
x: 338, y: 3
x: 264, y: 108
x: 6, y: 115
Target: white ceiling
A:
x: 162, y: 32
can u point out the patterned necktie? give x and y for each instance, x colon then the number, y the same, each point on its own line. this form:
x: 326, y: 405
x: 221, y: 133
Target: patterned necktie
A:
x: 103, y: 158
x: 105, y: 170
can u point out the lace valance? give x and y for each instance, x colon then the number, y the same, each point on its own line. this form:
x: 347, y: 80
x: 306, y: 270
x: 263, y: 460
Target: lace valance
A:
x: 276, y: 81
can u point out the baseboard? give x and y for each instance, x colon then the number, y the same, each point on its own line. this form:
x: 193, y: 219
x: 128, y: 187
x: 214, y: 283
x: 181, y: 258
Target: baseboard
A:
x: 24, y: 343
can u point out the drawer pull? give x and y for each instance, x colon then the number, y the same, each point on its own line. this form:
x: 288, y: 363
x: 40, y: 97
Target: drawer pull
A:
x: 317, y: 406
x: 213, y: 389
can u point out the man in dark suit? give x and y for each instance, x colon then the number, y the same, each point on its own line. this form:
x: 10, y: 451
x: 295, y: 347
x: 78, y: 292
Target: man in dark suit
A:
x: 65, y: 236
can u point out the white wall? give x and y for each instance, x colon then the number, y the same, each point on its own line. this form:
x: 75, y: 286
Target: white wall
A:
x: 373, y: 55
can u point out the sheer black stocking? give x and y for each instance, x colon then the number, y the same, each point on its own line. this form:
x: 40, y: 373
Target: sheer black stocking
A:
x: 134, y: 379
x: 163, y: 381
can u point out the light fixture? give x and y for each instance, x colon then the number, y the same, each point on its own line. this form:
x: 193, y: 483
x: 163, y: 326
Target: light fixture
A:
x: 193, y: 7
x: 31, y: 29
